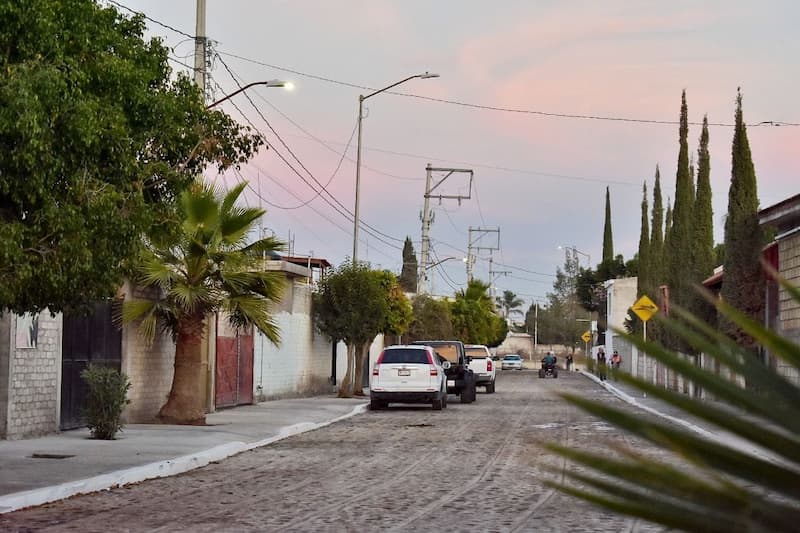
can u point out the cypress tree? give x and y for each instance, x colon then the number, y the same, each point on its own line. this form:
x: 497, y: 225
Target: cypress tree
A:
x: 703, y: 248
x: 608, y: 241
x: 667, y: 228
x: 743, y: 281
x: 408, y: 274
x: 656, y: 259
x: 680, y: 269
x: 644, y: 259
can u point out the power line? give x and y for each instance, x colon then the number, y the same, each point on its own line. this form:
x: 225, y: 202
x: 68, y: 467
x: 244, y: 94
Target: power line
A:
x: 501, y: 108
x: 144, y: 16
x: 291, y: 167
x: 310, y: 174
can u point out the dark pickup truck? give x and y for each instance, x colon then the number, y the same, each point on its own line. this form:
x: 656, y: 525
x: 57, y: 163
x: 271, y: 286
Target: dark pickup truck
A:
x: 460, y: 379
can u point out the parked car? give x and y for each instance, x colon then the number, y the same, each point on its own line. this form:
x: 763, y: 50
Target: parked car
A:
x: 511, y: 362
x: 408, y: 374
x: 460, y: 379
x: 481, y: 364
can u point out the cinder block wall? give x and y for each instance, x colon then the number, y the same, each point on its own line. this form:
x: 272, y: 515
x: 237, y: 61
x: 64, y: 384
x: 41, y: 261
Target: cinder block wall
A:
x: 301, y: 365
x: 29, y: 393
x: 149, y: 368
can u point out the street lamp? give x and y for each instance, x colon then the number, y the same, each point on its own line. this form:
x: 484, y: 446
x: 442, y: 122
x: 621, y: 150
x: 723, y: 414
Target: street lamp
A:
x: 437, y: 263
x: 361, y: 99
x: 271, y: 83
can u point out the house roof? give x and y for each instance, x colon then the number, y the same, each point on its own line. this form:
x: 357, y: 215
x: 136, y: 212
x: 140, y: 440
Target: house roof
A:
x: 785, y: 215
x: 314, y: 262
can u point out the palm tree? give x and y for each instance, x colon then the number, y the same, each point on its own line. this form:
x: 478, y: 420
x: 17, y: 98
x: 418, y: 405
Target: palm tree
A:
x: 510, y: 304
x: 721, y: 485
x: 207, y: 268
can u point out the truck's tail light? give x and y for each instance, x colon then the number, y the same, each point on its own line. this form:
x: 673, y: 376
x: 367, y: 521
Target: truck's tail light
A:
x: 488, y: 365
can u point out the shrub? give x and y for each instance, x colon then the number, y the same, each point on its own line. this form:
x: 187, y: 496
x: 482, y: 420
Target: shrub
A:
x: 108, y: 395
x: 720, y: 486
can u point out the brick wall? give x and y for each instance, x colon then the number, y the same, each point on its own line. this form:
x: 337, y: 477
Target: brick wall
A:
x: 29, y: 394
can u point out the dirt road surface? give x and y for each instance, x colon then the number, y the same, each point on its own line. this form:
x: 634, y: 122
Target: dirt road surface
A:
x: 476, y: 467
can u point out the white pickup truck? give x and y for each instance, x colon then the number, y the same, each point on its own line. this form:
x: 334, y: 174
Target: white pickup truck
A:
x: 481, y: 364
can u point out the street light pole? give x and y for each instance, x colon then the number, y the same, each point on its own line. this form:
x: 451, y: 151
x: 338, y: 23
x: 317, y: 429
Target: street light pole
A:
x: 361, y: 99
x: 271, y: 83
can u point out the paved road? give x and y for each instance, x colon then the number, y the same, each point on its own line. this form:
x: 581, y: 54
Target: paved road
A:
x: 468, y: 468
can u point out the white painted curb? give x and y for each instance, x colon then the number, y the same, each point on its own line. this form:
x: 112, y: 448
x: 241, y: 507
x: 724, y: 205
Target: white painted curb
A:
x: 169, y: 467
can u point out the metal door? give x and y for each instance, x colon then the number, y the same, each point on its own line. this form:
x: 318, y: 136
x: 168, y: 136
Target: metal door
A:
x: 87, y: 339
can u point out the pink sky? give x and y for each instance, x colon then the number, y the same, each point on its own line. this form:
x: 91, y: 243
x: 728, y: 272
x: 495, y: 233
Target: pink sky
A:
x: 616, y: 58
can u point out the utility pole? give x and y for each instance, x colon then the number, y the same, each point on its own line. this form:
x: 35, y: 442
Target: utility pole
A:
x: 200, y: 43
x: 478, y: 244
x: 493, y: 275
x: 431, y: 184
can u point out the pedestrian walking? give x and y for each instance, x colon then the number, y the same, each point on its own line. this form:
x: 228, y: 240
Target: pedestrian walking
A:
x: 601, y: 364
x: 569, y: 361
x: 616, y: 360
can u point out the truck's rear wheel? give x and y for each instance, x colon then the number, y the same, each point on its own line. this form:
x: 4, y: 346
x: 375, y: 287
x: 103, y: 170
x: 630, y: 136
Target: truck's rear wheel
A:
x: 490, y: 388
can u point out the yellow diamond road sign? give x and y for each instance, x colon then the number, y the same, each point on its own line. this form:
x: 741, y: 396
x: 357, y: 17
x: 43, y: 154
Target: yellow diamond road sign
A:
x: 645, y: 308
x: 586, y: 336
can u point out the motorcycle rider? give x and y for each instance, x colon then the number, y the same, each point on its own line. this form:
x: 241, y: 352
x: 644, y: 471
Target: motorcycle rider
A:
x: 549, y: 360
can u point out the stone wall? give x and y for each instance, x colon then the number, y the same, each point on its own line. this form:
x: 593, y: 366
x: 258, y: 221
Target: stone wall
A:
x: 30, y: 376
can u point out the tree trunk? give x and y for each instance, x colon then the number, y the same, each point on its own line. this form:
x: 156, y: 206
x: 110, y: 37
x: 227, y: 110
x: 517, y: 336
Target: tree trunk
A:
x: 346, y: 389
x: 362, y: 354
x: 185, y: 402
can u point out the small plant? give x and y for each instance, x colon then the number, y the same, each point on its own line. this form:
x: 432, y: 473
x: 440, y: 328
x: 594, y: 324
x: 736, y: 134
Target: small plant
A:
x: 108, y: 395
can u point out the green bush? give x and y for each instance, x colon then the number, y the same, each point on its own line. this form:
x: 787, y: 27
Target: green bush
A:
x: 108, y: 395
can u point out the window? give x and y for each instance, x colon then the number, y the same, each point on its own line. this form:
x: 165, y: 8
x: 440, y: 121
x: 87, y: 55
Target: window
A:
x: 405, y: 356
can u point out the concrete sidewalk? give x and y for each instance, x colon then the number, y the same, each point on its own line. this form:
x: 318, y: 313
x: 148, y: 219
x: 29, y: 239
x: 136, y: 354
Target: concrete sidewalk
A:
x: 637, y: 398
x: 46, y: 469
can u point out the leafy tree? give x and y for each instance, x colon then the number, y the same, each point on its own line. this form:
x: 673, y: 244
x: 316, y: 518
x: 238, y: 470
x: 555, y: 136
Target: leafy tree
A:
x: 392, y: 318
x: 104, y: 139
x: 608, y: 240
x: 350, y: 305
x: 510, y: 303
x: 719, y: 486
x: 742, y: 284
x: 474, y: 319
x: 703, y: 249
x: 207, y: 269
x: 408, y: 274
x: 719, y: 254
x: 559, y: 323
x: 679, y: 254
x: 432, y: 319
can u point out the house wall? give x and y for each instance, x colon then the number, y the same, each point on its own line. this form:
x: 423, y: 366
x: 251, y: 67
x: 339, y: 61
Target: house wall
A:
x: 789, y: 309
x: 30, y: 379
x: 620, y: 296
x: 148, y: 366
x: 301, y: 364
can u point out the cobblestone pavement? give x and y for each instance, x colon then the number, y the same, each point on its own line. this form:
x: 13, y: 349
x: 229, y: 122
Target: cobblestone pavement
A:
x: 473, y: 467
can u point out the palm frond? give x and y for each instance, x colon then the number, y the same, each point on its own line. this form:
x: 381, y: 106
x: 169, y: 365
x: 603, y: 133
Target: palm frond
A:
x: 749, y: 484
x: 244, y: 310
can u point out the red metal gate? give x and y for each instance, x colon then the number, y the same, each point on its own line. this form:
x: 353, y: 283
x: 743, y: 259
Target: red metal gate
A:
x: 234, y: 370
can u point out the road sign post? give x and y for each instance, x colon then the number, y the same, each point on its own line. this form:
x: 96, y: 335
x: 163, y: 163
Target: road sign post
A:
x: 644, y: 308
